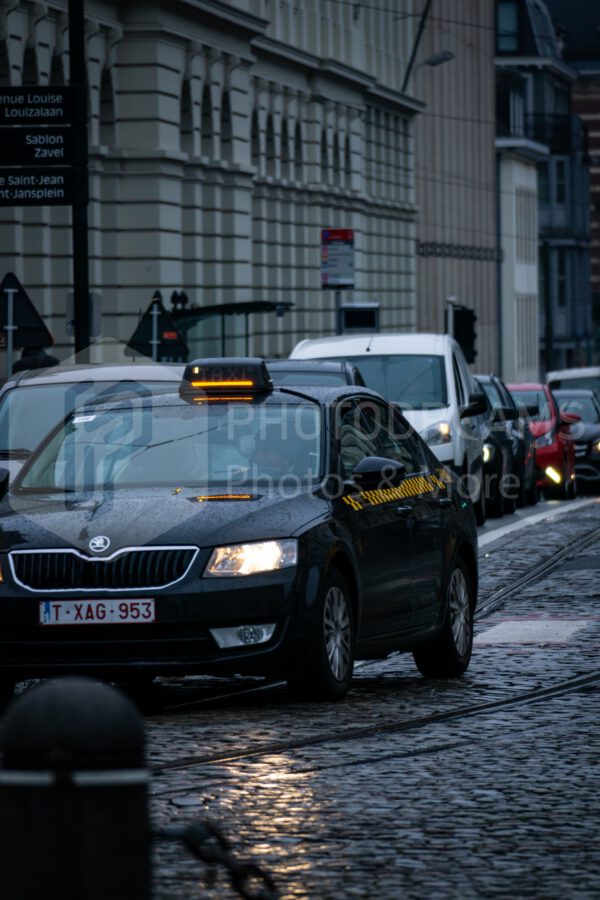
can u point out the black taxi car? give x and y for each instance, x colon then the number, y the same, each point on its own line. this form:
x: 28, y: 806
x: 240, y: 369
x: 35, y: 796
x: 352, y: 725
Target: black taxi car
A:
x: 233, y: 527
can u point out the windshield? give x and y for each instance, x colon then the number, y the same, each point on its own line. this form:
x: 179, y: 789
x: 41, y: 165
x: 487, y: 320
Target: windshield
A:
x: 232, y: 444
x: 491, y: 393
x: 577, y: 382
x: 534, y: 398
x: 412, y: 381
x: 584, y: 407
x: 28, y: 413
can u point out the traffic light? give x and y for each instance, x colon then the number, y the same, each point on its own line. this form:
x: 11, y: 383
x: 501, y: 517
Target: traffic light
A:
x: 464, y: 331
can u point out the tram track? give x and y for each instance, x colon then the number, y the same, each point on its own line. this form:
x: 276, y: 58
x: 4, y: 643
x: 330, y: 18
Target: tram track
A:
x: 492, y: 603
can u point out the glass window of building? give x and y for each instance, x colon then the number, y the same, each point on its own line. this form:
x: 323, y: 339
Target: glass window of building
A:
x: 507, y: 26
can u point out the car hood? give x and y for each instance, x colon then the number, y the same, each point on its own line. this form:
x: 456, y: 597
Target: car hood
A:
x: 129, y: 518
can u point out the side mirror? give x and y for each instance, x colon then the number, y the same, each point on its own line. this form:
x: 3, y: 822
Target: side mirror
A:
x: 4, y: 482
x: 373, y: 470
x: 505, y: 414
x: 475, y: 407
x: 568, y: 418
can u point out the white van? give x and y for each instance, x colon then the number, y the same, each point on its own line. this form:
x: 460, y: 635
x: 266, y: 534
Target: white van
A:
x: 428, y: 377
x: 587, y: 377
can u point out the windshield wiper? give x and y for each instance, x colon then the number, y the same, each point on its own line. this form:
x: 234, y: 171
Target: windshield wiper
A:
x: 15, y: 453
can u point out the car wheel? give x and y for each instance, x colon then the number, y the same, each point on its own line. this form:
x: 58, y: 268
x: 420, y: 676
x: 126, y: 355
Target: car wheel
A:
x: 7, y: 689
x: 327, y: 673
x: 495, y: 505
x: 521, y: 499
x: 449, y: 654
x: 479, y: 505
x: 532, y: 492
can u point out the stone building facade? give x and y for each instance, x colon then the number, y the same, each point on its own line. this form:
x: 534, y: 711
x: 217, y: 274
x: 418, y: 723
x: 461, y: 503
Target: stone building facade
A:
x: 223, y: 137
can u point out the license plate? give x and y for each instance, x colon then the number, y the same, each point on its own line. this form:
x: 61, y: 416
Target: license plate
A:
x: 96, y: 612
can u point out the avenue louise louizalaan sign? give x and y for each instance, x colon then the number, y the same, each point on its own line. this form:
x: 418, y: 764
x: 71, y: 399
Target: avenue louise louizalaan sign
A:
x: 36, y: 146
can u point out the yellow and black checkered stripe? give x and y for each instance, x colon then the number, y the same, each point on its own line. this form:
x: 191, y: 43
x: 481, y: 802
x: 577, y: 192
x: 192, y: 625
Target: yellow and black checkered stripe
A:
x: 410, y: 487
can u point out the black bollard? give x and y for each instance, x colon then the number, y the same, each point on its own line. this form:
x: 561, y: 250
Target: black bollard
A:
x: 73, y: 795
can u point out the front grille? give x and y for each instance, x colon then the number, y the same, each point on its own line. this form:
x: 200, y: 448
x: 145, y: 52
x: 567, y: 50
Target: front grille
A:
x: 128, y: 570
x: 581, y: 450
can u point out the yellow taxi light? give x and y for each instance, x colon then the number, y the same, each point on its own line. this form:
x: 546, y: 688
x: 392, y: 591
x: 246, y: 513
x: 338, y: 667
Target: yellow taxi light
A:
x: 227, y: 399
x: 203, y: 498
x: 1, y: 575
x: 222, y: 384
x: 555, y: 476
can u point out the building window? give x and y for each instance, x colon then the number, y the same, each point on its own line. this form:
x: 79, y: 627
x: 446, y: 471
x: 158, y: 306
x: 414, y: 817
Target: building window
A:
x: 255, y: 142
x: 298, y: 153
x: 543, y: 194
x: 226, y: 131
x: 107, y: 110
x: 285, y: 150
x: 507, y: 26
x: 561, y: 181
x: 207, y: 124
x: 561, y: 278
x: 270, y: 147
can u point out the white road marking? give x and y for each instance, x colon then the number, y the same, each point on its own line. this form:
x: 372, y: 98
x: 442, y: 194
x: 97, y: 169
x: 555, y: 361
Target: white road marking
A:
x: 531, y: 631
x: 569, y: 506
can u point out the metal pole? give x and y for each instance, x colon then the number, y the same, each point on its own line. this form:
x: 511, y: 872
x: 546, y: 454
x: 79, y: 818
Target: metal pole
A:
x: 78, y: 80
x: 411, y: 61
x: 9, y: 328
x: 450, y: 315
x: 155, y: 342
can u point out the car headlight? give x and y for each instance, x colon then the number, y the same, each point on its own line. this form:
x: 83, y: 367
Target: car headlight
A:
x: 544, y: 440
x: 249, y: 559
x: 440, y: 433
x: 596, y: 447
x: 488, y: 452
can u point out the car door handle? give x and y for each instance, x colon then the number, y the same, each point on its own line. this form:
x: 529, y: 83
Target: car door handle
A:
x: 441, y: 501
x: 403, y: 510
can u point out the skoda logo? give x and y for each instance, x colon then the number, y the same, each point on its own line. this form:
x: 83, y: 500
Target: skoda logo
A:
x: 99, y: 544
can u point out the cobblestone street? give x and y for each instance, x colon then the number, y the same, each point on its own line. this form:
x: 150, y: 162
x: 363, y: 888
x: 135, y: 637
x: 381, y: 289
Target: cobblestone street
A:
x: 493, y: 802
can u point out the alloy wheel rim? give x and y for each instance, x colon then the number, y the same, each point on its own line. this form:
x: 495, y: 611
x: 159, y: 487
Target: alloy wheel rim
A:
x: 460, y: 612
x: 336, y: 632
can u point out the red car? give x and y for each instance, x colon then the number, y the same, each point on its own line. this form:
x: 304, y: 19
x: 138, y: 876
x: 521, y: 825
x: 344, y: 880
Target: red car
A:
x: 554, y: 446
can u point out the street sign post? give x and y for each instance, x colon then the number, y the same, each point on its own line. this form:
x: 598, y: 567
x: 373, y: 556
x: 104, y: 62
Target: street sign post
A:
x: 36, y: 105
x: 157, y: 335
x: 20, y: 323
x: 33, y: 146
x: 337, y: 265
x: 34, y: 187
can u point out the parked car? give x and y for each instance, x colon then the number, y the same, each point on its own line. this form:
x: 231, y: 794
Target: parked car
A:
x: 160, y: 536
x: 427, y: 376
x: 516, y: 426
x: 500, y: 495
x: 554, y: 448
x: 314, y: 371
x: 33, y: 402
x: 586, y: 435
x: 584, y: 378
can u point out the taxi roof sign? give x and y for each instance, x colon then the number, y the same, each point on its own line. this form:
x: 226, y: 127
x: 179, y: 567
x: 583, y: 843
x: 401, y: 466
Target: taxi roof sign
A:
x: 226, y: 377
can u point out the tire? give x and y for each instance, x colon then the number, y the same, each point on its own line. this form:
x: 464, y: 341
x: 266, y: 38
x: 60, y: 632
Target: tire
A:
x: 521, y: 499
x: 495, y: 506
x: 327, y: 673
x: 7, y: 689
x: 479, y: 505
x: 532, y: 492
x: 449, y: 654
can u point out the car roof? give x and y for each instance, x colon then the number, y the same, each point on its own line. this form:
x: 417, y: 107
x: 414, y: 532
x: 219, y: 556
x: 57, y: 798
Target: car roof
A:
x: 305, y: 365
x: 387, y: 344
x: 528, y: 386
x: 323, y: 395
x: 583, y: 372
x: 103, y: 372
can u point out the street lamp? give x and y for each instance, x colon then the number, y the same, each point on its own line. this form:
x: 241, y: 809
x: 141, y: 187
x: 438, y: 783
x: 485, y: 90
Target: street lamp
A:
x: 438, y: 59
